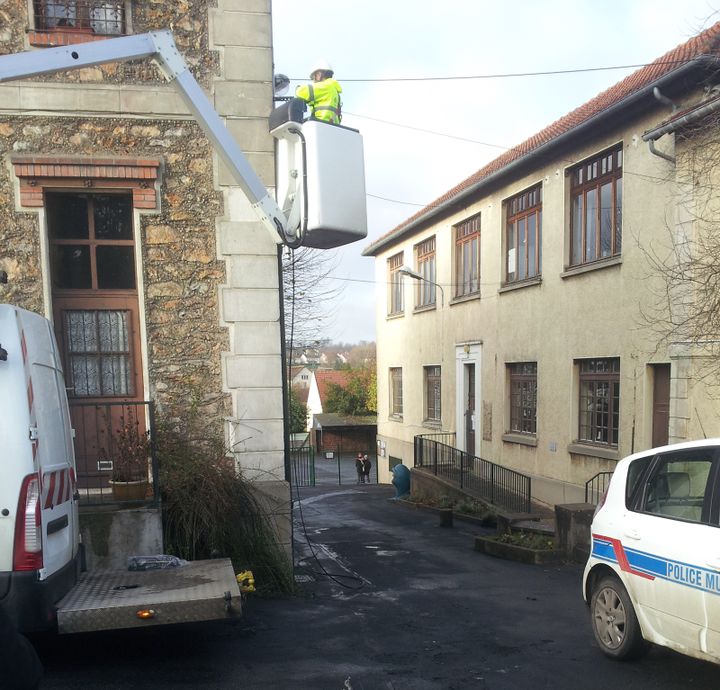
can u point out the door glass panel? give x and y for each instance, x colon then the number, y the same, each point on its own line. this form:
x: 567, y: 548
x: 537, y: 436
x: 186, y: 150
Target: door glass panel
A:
x: 98, y: 352
x: 67, y: 216
x: 71, y: 266
x: 115, y: 267
x: 113, y: 217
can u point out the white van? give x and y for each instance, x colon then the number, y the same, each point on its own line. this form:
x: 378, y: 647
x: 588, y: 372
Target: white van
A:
x: 39, y: 530
x: 41, y: 584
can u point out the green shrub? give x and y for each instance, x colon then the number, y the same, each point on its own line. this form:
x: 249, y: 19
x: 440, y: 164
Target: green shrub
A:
x: 211, y: 511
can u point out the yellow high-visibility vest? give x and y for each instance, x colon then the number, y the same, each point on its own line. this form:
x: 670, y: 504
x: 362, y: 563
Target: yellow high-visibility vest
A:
x: 323, y: 97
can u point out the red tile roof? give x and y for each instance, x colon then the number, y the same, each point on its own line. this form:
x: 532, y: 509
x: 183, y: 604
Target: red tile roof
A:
x: 325, y: 377
x: 705, y: 43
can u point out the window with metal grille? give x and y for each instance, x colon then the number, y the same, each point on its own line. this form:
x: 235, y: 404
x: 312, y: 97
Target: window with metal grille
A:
x: 395, y: 284
x: 98, y: 351
x: 95, y: 16
x: 523, y: 397
x: 432, y: 394
x: 425, y: 262
x: 467, y: 257
x: 523, y: 235
x: 599, y: 410
x: 396, y: 392
x: 596, y: 208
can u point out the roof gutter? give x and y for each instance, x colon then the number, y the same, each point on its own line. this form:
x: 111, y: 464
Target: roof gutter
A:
x: 669, y: 127
x: 535, y: 153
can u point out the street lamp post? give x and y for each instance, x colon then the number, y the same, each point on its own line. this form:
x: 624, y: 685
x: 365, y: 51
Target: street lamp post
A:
x: 406, y: 271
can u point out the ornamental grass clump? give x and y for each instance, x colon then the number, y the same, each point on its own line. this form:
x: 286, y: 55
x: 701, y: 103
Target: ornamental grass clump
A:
x: 210, y: 511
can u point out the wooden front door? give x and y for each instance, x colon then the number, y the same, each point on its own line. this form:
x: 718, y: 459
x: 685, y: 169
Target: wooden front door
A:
x: 95, y: 307
x: 661, y: 404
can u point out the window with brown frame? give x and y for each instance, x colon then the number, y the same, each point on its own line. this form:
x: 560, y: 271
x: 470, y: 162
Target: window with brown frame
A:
x: 599, y: 411
x: 523, y: 397
x: 395, y: 284
x: 91, y: 241
x: 432, y: 394
x: 596, y: 208
x: 92, y: 16
x: 425, y: 262
x: 523, y: 235
x: 467, y: 257
x: 396, y: 392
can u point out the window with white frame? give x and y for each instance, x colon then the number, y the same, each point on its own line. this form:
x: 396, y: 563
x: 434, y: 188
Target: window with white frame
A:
x: 396, y: 392
x: 523, y: 235
x: 467, y: 257
x: 395, y: 285
x: 425, y: 262
x: 596, y: 208
x: 432, y: 394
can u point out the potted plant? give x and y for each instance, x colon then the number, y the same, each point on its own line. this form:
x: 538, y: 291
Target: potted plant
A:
x: 130, y: 455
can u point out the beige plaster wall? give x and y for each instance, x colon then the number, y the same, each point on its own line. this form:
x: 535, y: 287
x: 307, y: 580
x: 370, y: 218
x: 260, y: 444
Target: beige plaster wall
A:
x: 566, y: 316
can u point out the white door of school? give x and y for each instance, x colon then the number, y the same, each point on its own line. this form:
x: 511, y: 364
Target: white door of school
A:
x: 468, y: 432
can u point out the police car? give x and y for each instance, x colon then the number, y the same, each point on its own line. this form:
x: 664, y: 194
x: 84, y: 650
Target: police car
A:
x: 654, y: 569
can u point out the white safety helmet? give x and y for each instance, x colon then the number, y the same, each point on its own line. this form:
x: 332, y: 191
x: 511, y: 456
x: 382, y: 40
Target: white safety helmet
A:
x: 322, y: 66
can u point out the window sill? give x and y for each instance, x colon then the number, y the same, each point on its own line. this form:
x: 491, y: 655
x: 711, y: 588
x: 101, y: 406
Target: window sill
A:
x: 397, y: 315
x: 432, y: 424
x: 395, y: 418
x: 520, y: 439
x: 465, y: 298
x: 604, y: 452
x: 425, y: 307
x: 63, y: 37
x: 571, y: 271
x: 519, y: 284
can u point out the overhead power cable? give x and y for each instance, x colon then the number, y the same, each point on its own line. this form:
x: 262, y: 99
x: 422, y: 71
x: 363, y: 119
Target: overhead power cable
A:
x: 507, y: 75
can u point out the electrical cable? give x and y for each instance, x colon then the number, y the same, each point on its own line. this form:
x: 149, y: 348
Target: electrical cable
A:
x: 507, y: 75
x: 335, y: 577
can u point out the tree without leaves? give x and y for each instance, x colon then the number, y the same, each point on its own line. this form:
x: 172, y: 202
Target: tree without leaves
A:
x: 685, y: 269
x: 309, y: 295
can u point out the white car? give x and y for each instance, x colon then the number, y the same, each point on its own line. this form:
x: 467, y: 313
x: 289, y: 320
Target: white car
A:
x: 654, y: 569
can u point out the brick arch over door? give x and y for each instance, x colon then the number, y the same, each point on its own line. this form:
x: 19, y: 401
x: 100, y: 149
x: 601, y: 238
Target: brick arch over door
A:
x: 89, y: 206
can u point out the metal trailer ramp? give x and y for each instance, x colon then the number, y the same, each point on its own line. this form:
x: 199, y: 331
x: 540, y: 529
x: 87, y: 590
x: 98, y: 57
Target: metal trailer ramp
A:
x: 111, y: 599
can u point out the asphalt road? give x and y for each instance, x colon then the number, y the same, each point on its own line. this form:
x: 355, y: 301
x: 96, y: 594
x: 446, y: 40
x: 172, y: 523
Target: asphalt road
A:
x: 407, y: 605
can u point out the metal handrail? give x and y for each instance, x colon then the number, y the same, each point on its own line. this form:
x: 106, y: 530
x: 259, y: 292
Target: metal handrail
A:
x: 596, y: 486
x: 495, y: 483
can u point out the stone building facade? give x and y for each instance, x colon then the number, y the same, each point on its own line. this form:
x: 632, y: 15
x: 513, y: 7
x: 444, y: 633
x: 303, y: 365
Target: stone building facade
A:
x: 199, y: 272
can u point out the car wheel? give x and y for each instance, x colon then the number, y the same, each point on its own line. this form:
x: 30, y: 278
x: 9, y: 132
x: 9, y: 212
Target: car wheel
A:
x: 614, y: 622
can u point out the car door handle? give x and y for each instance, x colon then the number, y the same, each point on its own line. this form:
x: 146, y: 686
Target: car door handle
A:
x: 632, y: 534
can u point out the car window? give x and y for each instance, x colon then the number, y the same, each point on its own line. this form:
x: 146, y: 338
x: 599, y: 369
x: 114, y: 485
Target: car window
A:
x: 677, y: 486
x: 635, y: 474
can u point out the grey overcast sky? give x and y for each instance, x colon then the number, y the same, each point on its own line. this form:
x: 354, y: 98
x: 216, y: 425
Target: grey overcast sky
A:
x: 383, y: 39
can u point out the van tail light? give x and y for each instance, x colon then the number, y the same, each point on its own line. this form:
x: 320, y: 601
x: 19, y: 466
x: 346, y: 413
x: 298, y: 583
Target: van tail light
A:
x: 28, y: 527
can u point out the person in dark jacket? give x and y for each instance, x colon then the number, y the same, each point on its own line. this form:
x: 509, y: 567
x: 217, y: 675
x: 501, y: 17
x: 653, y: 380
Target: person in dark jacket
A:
x: 367, y: 464
x: 360, y: 468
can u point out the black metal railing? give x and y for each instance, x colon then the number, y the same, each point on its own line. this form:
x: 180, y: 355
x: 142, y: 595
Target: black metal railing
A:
x: 302, y: 460
x: 596, y: 486
x: 115, y: 452
x: 494, y: 483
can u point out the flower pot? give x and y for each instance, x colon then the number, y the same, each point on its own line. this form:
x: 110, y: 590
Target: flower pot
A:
x: 130, y: 491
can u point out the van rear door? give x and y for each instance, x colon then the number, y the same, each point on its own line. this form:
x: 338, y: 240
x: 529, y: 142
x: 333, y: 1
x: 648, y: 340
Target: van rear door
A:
x: 51, y: 434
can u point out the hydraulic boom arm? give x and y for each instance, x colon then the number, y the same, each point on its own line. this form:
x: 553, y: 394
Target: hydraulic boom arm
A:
x: 158, y: 45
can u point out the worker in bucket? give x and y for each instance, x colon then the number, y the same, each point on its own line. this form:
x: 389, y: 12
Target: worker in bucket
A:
x: 323, y: 94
